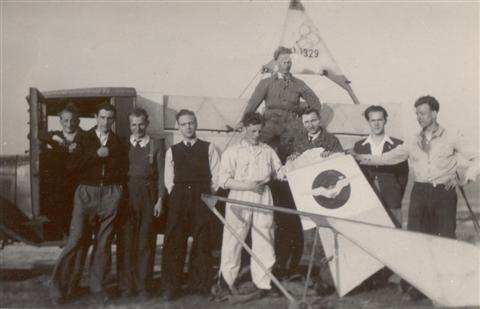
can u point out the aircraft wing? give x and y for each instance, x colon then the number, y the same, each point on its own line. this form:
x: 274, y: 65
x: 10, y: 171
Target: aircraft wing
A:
x: 445, y: 270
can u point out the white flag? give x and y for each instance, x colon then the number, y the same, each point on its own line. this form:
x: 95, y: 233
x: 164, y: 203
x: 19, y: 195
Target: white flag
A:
x: 336, y: 187
x: 310, y: 54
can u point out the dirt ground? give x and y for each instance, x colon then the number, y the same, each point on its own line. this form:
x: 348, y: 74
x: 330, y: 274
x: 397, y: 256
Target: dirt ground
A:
x: 25, y: 274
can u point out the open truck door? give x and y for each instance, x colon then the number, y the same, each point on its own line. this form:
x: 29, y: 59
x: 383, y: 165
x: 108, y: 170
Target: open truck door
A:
x: 32, y: 209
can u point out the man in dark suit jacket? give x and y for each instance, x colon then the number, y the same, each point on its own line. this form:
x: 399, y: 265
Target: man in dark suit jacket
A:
x: 389, y: 182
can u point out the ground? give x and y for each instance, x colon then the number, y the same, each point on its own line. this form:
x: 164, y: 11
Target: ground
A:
x: 25, y: 274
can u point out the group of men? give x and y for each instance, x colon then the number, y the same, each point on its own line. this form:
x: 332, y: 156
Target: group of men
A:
x: 140, y: 170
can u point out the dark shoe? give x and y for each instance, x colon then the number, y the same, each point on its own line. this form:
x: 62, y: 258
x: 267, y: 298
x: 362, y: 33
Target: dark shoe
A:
x: 169, y: 295
x: 415, y: 294
x: 57, y: 301
x: 272, y: 292
x: 127, y: 294
x: 101, y: 298
x: 143, y: 296
x: 220, y: 291
x: 324, y: 289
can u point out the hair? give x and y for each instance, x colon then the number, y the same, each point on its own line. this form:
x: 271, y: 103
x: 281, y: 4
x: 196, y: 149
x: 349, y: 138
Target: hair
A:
x: 107, y: 107
x: 310, y: 110
x: 252, y: 118
x: 281, y: 50
x: 375, y: 108
x: 431, y: 101
x: 184, y: 112
x: 139, y: 112
x: 69, y: 108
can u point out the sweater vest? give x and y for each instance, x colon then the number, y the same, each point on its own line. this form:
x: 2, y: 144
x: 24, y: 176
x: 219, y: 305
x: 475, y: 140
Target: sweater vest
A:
x: 140, y: 165
x: 191, y: 164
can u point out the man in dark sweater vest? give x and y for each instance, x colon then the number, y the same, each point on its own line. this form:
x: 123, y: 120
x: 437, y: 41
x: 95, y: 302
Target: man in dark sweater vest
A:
x: 136, y: 236
x: 100, y: 163
x: 191, y: 168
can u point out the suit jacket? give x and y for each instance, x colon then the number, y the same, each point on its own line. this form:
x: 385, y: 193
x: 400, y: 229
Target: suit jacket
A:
x: 392, y: 179
x: 326, y: 140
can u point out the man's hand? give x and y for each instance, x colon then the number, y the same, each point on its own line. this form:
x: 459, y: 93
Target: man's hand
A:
x: 72, y: 147
x: 158, y: 209
x: 62, y: 142
x: 326, y: 154
x: 255, y: 186
x: 103, y: 152
x: 451, y: 183
x: 470, y: 176
x: 350, y: 151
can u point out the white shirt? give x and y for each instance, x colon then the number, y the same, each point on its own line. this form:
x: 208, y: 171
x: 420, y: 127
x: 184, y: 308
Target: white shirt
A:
x: 102, y: 137
x: 377, y: 149
x: 143, y: 141
x: 213, y: 159
x: 245, y: 162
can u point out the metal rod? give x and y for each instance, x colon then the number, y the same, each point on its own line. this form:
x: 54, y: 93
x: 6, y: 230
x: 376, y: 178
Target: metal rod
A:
x: 476, y: 225
x: 261, y: 206
x: 310, y: 264
x: 252, y: 254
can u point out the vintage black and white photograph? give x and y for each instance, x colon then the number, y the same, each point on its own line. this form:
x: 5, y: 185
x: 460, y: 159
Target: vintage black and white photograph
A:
x: 239, y: 154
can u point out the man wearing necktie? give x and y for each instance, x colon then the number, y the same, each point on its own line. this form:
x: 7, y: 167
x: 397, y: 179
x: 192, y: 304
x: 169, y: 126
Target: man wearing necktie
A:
x: 136, y: 236
x: 191, y: 168
x: 312, y: 136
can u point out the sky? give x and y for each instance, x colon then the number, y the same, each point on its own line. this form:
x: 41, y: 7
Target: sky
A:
x: 393, y: 52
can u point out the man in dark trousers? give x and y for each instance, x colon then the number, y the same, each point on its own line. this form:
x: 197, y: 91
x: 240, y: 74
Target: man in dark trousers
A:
x: 100, y: 163
x: 136, y: 237
x: 312, y: 136
x: 191, y: 168
x: 60, y: 144
x: 388, y: 181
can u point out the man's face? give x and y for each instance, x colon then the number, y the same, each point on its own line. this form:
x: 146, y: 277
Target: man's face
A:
x: 138, y: 126
x: 377, y: 122
x: 311, y: 122
x: 187, y: 125
x: 284, y: 63
x: 425, y: 116
x: 69, y: 122
x: 252, y: 133
x: 105, y: 120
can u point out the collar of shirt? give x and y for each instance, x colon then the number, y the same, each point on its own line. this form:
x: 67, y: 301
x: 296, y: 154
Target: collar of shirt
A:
x: 283, y: 76
x: 102, y: 137
x: 438, y: 132
x: 377, y: 149
x: 312, y: 137
x: 69, y: 137
x: 191, y: 141
x: 421, y: 137
x: 143, y: 141
x: 255, y: 149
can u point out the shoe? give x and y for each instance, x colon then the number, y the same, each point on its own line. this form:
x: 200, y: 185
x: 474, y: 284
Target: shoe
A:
x: 143, y: 296
x: 101, y: 298
x: 272, y: 292
x: 324, y: 289
x: 169, y: 295
x: 127, y: 294
x: 415, y: 294
x: 220, y: 290
x: 57, y: 301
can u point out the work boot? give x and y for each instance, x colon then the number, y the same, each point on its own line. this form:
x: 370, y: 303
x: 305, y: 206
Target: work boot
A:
x: 220, y: 291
